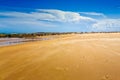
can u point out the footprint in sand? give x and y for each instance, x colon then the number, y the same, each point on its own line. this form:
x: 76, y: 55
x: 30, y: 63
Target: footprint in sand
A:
x: 106, y: 77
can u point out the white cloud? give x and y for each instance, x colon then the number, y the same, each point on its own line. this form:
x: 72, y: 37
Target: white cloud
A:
x: 24, y: 22
x: 107, y: 25
x: 48, y: 14
x: 57, y: 18
x: 93, y: 14
x: 42, y: 19
x: 64, y: 16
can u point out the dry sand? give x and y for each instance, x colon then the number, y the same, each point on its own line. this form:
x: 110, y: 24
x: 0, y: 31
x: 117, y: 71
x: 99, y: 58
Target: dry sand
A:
x: 71, y: 57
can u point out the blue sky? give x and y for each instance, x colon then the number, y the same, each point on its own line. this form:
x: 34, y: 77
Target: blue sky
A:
x: 59, y: 15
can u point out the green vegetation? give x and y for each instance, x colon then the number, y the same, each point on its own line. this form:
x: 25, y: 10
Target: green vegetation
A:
x: 33, y: 35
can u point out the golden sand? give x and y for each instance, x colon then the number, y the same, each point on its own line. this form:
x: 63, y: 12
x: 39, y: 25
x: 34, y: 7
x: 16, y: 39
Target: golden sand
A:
x: 72, y: 57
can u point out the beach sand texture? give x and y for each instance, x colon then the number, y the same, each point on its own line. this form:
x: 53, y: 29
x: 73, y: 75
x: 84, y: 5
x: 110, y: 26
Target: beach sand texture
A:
x: 72, y: 57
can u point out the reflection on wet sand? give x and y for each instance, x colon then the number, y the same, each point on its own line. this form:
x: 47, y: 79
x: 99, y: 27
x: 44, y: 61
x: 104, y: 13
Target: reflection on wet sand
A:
x: 13, y: 41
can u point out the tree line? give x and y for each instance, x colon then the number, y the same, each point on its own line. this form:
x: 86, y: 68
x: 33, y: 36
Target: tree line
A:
x: 33, y: 35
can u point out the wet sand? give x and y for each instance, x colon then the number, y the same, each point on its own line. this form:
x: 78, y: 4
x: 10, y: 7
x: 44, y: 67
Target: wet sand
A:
x: 72, y: 57
x: 15, y: 41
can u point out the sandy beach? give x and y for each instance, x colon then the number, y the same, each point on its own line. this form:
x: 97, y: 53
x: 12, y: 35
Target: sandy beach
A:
x: 94, y: 56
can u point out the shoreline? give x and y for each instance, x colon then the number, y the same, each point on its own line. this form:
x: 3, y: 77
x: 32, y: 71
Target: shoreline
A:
x: 15, y: 41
